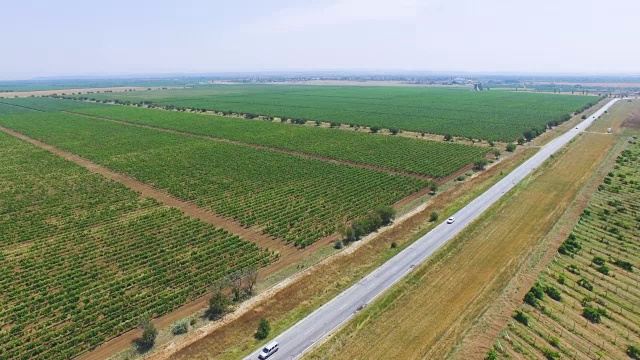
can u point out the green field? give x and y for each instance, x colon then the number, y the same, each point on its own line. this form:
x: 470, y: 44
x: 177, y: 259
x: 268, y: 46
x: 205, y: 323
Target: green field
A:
x: 299, y: 200
x: 481, y: 115
x: 585, y: 305
x: 83, y: 258
x: 432, y: 158
x: 42, y: 104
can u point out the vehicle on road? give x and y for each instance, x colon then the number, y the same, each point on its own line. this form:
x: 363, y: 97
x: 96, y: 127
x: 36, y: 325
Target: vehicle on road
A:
x: 451, y: 220
x: 268, y: 350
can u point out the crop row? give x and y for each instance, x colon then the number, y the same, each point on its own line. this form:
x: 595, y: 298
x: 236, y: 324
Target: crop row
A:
x: 84, y: 258
x: 585, y: 305
x: 431, y: 158
x: 490, y: 115
x: 298, y: 199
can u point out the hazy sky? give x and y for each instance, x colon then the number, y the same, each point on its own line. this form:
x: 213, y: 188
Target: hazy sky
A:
x: 44, y: 38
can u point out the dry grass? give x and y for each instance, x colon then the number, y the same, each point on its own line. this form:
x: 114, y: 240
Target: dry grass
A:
x: 426, y: 315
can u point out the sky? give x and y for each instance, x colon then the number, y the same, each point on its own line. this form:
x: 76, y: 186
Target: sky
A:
x: 87, y: 38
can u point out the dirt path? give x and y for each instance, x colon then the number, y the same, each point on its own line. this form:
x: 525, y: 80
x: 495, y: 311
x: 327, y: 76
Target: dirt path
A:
x: 261, y: 147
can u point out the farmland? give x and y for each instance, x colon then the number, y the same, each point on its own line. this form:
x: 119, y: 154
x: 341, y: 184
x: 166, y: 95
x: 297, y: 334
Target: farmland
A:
x: 459, y: 112
x: 299, y: 200
x: 431, y: 158
x: 41, y: 104
x: 585, y: 305
x: 84, y: 258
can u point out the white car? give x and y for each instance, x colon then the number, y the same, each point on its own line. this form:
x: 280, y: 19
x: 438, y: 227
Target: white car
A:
x: 450, y: 220
x: 268, y: 350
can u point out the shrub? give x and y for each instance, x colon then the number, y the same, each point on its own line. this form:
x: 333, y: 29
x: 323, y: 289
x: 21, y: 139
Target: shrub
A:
x: 598, y: 260
x: 448, y: 137
x: 570, y: 246
x: 511, y: 147
x: 604, y: 269
x: 623, y: 264
x: 633, y: 352
x: 550, y: 354
x: 491, y: 355
x: 521, y: 317
x: 434, y: 216
x: 374, y: 129
x: 394, y: 131
x: 338, y: 244
x: 264, y: 328
x: 562, y: 279
x: 592, y: 314
x: 394, y: 245
x: 555, y: 342
x: 573, y: 269
x: 180, y: 327
x: 585, y: 284
x: 553, y: 293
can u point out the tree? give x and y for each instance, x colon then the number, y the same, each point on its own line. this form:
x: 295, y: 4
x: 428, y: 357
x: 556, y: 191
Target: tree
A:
x: 521, y: 317
x: 251, y: 278
x: 448, y: 137
x: 434, y: 187
x: 149, y: 334
x: 480, y: 164
x: 236, y: 285
x: 338, y: 245
x: 394, y: 131
x: 387, y: 214
x: 264, y: 328
x: 434, y: 217
x: 218, y: 305
x: 374, y: 129
x: 521, y: 140
x: 496, y: 153
x: 511, y: 147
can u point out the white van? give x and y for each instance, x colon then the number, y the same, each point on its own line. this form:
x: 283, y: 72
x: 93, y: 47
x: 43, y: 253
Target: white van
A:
x: 268, y: 350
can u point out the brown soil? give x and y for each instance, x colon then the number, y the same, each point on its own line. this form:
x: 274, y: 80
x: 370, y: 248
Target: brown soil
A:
x: 262, y: 147
x: 323, y: 281
x: 427, y: 314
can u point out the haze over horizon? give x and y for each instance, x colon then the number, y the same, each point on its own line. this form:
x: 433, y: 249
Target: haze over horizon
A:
x: 74, y: 38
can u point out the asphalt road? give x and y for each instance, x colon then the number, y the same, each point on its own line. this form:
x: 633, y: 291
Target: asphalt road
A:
x: 316, y: 326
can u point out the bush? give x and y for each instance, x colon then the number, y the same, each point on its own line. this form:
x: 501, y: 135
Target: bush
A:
x: 550, y: 354
x: 511, y: 147
x: 555, y: 342
x: 592, y: 314
x: 598, y: 260
x: 553, y: 293
x: 394, y: 131
x: 604, y: 269
x: 264, y: 328
x: 180, y: 327
x: 633, y: 352
x: 570, y: 247
x: 562, y: 279
x: 338, y: 244
x: 585, y: 284
x: 394, y: 245
x: 434, y: 217
x: 448, y: 137
x: 623, y: 264
x: 374, y: 129
x: 521, y: 317
x: 573, y: 269
x: 491, y: 355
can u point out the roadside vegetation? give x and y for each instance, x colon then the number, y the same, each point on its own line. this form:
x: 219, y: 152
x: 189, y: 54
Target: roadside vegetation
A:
x: 585, y: 304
